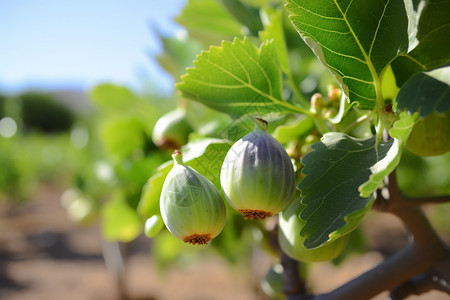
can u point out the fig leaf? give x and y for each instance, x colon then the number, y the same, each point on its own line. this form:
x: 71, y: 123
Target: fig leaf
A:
x: 355, y: 40
x: 341, y: 174
x: 237, y: 78
x: 426, y: 92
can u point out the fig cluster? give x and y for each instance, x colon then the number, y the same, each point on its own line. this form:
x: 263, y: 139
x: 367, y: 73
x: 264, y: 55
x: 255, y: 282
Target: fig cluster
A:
x: 257, y: 180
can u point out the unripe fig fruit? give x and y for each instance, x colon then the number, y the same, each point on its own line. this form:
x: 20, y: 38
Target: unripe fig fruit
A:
x: 191, y: 206
x: 316, y: 103
x: 291, y: 242
x: 430, y: 136
x: 334, y: 94
x: 257, y: 175
x: 172, y: 130
x: 153, y: 226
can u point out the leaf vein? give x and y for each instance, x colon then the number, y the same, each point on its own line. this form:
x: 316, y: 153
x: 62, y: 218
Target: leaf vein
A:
x: 218, y: 85
x: 361, y: 96
x: 316, y: 14
x: 357, y: 79
x: 243, y: 104
x: 340, y: 54
x: 361, y: 48
x: 434, y: 30
x: 269, y: 82
x: 249, y: 79
x: 378, y: 27
x: 326, y: 30
x: 246, y: 84
x: 424, y: 67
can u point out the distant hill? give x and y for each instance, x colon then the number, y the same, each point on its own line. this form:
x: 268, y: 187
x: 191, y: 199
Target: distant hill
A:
x: 77, y: 101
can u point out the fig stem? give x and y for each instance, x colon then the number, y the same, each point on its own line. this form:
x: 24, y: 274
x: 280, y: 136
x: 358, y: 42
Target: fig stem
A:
x: 261, y: 124
x: 177, y: 157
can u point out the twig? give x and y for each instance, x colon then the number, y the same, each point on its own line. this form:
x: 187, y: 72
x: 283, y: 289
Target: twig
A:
x: 114, y: 260
x: 292, y: 283
x: 433, y: 280
x: 414, y: 201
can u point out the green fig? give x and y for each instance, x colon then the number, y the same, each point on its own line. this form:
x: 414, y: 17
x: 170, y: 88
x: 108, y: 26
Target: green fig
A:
x: 257, y: 175
x: 334, y: 94
x: 172, y: 130
x: 430, y: 136
x: 191, y: 206
x: 291, y: 242
x: 316, y: 103
x: 153, y: 226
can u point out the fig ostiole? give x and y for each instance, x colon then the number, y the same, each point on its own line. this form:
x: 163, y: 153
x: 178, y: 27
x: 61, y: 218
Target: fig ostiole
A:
x: 257, y: 175
x: 172, y: 130
x: 292, y: 243
x: 191, y: 206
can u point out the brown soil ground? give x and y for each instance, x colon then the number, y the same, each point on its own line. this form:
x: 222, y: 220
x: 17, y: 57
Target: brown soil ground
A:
x: 44, y: 256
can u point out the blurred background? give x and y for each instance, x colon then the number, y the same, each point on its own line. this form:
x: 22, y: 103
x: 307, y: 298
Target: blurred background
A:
x: 82, y: 84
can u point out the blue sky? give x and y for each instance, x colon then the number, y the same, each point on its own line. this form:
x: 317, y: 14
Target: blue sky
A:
x: 53, y: 44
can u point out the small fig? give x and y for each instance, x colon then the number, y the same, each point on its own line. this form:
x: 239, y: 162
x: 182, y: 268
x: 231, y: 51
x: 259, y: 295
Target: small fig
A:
x: 334, y: 94
x: 430, y: 136
x: 257, y: 175
x: 153, y: 226
x: 191, y: 206
x: 291, y: 242
x: 172, y: 130
x: 316, y: 103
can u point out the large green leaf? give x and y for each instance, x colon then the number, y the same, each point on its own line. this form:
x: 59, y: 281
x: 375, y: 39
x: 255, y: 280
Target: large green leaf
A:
x: 208, y: 21
x: 354, y: 39
x: 178, y: 54
x: 149, y: 203
x: 205, y: 156
x: 122, y: 135
x: 426, y: 92
x: 111, y: 97
x: 273, y: 29
x: 292, y: 131
x: 399, y: 132
x: 245, y: 14
x: 237, y: 78
x: 119, y: 221
x: 433, y: 37
x: 341, y: 174
x: 118, y: 102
